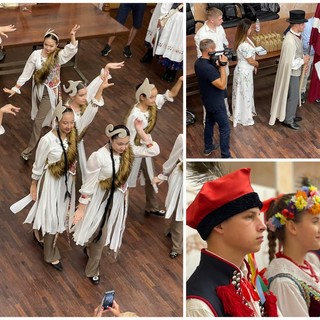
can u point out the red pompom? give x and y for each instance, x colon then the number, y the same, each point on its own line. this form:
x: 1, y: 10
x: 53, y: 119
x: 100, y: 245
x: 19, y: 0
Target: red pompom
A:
x: 232, y: 302
x: 270, y: 306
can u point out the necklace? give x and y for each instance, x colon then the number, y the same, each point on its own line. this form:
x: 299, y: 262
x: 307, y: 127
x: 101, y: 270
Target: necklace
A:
x: 306, y: 267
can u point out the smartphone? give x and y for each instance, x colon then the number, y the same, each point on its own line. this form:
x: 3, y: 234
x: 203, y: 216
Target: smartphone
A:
x: 107, y: 299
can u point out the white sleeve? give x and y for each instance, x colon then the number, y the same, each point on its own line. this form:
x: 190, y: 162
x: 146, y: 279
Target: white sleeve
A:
x: 289, y: 299
x: 197, y: 39
x: 2, y: 131
x: 161, y: 99
x: 68, y: 52
x: 198, y: 308
x: 143, y: 151
x: 174, y: 157
x: 40, y: 162
x: 297, y: 63
x: 87, y: 117
x: 165, y: 8
x: 28, y: 69
x: 224, y: 37
x: 131, y: 127
x: 93, y: 168
x: 92, y: 89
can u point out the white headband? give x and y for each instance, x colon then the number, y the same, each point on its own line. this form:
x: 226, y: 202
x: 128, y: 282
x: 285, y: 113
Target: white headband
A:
x: 51, y: 31
x: 122, y: 133
x: 72, y: 89
x: 145, y: 89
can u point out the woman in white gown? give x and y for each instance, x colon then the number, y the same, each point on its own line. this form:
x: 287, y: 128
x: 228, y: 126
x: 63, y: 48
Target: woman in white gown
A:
x: 172, y: 171
x: 103, y: 204
x: 52, y: 186
x: 242, y: 90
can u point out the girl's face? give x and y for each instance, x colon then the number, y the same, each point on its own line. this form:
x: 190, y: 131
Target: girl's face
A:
x: 66, y: 124
x: 81, y: 97
x: 244, y: 231
x: 308, y: 231
x: 119, y: 145
x: 152, y: 99
x: 49, y: 45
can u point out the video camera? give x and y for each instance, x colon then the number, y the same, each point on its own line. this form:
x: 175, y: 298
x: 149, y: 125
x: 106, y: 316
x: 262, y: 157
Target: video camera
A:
x: 228, y: 52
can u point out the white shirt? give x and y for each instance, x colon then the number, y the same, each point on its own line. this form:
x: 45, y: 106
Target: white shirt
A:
x: 218, y: 36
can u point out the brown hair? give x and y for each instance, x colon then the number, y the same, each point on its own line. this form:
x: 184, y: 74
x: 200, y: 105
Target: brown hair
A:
x: 277, y: 206
x: 214, y: 12
x: 242, y: 31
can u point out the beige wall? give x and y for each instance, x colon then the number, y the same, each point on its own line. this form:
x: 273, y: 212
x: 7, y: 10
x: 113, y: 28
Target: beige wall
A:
x: 285, y: 177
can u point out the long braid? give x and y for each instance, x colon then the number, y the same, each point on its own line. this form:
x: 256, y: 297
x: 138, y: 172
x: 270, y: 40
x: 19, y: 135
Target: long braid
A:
x: 67, y: 194
x: 106, y: 209
x: 276, y: 206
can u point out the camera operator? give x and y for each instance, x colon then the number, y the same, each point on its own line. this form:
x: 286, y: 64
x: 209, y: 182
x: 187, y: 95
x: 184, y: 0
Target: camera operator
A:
x: 212, y: 29
x: 212, y: 81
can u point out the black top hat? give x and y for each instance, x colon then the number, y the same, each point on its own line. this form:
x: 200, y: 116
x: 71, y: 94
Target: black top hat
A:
x: 297, y: 16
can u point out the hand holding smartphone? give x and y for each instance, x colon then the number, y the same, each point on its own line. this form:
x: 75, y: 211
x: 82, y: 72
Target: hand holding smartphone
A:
x: 107, y: 299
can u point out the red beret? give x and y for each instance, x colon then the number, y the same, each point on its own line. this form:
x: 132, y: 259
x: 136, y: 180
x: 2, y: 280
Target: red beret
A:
x: 220, y: 199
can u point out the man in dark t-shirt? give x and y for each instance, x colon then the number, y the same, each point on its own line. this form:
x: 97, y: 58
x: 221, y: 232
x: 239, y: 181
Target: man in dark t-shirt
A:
x: 212, y: 83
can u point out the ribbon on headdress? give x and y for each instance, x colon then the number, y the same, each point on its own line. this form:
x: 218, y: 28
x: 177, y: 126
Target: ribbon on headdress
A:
x: 122, y: 133
x: 145, y: 89
x: 266, y: 203
x: 72, y: 89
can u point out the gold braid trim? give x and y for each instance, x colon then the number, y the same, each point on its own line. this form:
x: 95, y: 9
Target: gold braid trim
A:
x: 42, y: 74
x: 126, y: 162
x: 153, y: 112
x: 57, y: 169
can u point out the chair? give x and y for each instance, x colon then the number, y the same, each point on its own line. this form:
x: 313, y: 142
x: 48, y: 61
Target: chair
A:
x: 232, y: 13
x: 191, y: 23
x: 261, y: 11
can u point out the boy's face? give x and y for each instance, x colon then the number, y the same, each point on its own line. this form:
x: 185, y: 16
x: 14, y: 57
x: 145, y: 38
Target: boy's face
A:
x: 244, y: 231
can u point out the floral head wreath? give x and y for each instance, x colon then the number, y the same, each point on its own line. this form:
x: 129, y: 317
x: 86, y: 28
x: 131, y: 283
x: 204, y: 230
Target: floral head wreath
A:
x: 51, y: 32
x: 122, y: 133
x: 72, y: 89
x: 306, y: 199
x: 145, y: 89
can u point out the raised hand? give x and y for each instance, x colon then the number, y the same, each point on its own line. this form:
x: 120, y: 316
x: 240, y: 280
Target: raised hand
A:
x: 11, y: 109
x: 74, y: 29
x: 114, y: 65
x: 9, y: 28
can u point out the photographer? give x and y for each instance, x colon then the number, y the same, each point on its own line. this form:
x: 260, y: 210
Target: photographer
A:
x: 212, y: 83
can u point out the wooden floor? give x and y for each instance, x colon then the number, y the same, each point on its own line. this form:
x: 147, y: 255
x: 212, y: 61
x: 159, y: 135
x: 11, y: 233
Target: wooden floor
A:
x: 145, y: 279
x: 260, y: 140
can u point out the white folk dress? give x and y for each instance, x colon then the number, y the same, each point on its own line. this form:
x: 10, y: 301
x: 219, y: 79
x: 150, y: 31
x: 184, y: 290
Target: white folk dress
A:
x: 52, y: 83
x: 293, y: 287
x: 160, y: 10
x: 84, y: 120
x: 49, y: 212
x: 136, y: 113
x: 99, y: 167
x: 170, y: 44
x: 242, y: 90
x: 173, y: 168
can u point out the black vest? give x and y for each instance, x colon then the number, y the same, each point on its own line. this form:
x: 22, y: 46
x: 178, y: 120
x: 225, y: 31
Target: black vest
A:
x: 211, y: 273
